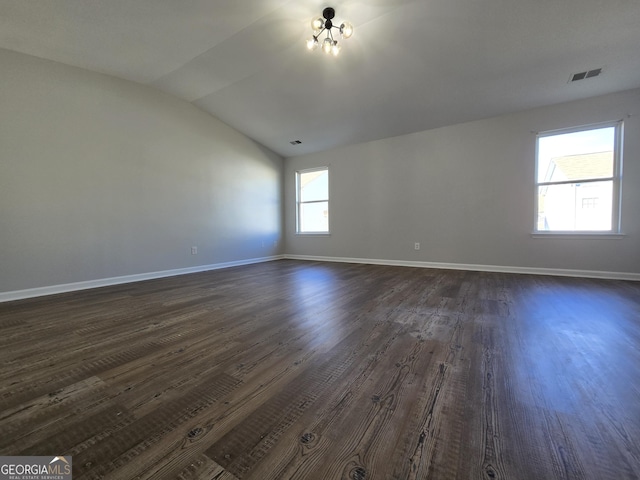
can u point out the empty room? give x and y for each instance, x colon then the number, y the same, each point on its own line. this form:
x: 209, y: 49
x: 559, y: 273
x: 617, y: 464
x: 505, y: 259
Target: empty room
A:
x: 353, y: 240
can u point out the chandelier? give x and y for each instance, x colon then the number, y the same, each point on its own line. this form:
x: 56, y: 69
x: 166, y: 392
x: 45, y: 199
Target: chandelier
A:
x: 325, y: 24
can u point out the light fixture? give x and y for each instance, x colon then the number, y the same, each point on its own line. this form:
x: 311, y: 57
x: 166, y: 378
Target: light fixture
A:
x: 325, y: 24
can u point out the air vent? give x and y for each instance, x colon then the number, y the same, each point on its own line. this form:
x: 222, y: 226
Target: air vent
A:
x: 588, y: 74
x: 295, y: 142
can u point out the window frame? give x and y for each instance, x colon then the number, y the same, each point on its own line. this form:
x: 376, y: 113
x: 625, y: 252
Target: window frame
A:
x: 300, y: 203
x: 616, y: 179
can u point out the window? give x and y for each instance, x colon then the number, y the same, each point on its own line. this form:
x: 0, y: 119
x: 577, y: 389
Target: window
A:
x: 312, y: 200
x: 590, y: 202
x: 578, y: 180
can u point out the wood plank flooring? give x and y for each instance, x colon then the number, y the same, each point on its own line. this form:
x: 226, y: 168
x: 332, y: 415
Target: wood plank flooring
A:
x: 304, y: 370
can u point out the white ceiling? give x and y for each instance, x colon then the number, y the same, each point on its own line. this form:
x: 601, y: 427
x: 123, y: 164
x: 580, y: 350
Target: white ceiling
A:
x: 411, y: 65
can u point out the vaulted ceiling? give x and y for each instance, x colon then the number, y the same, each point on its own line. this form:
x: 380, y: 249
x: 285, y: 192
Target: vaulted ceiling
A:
x: 411, y: 65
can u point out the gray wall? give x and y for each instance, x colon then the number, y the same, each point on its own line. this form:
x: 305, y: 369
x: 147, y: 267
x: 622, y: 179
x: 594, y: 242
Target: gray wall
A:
x: 466, y: 193
x: 100, y: 177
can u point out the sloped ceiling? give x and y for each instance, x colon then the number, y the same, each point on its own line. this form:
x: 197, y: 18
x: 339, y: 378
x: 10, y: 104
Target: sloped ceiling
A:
x: 411, y: 65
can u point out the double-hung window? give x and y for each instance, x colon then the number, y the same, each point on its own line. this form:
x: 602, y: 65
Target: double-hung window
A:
x: 312, y: 200
x: 578, y: 173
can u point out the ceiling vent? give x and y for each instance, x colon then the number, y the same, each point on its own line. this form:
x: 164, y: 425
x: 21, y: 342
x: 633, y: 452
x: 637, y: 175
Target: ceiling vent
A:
x: 583, y: 75
x: 295, y: 142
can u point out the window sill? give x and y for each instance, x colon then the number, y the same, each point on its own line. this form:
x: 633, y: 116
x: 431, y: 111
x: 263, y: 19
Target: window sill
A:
x: 313, y: 234
x: 579, y: 235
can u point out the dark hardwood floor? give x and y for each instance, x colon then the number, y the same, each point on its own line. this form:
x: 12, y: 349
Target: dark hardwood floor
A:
x: 302, y: 370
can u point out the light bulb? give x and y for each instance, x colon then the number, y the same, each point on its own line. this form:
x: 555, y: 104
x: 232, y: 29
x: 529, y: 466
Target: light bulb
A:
x: 346, y: 29
x: 335, y: 49
x: 327, y: 45
x: 312, y: 43
x: 317, y: 24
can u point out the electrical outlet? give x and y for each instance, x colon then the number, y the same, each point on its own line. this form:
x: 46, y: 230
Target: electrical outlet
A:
x: 194, y: 250
x: 416, y: 246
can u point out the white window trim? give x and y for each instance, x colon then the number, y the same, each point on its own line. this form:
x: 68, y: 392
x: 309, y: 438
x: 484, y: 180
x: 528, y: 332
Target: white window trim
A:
x: 299, y: 203
x: 580, y: 235
x: 616, y: 195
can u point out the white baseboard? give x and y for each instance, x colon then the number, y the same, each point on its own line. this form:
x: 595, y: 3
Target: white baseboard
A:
x: 477, y: 268
x: 103, y: 282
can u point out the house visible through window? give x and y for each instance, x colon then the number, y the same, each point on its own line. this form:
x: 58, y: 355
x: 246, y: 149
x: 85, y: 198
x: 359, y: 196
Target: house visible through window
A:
x: 312, y: 200
x: 578, y: 180
x: 590, y: 202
